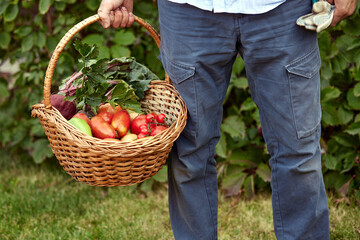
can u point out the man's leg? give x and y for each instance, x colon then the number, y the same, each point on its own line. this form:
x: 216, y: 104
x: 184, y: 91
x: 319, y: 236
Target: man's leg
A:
x: 197, y: 50
x: 282, y: 65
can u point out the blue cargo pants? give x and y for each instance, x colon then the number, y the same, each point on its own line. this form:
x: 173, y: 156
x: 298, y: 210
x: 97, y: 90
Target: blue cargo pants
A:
x: 282, y: 62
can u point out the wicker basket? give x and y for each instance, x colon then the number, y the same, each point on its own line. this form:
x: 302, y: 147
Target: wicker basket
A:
x: 104, y: 162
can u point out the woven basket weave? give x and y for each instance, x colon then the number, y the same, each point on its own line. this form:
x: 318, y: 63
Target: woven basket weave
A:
x: 105, y: 162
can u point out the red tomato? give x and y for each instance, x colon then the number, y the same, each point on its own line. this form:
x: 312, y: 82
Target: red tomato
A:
x: 141, y: 135
x: 137, y: 122
x: 161, y: 118
x: 101, y: 129
x: 158, y: 129
x: 151, y: 117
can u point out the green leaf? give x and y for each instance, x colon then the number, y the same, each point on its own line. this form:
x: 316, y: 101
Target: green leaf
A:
x: 241, y: 83
x: 42, y: 150
x: 4, y: 92
x: 40, y: 39
x: 124, y: 38
x: 264, y: 172
x: 249, y: 186
x: 44, y: 6
x: 346, y: 140
x: 118, y: 51
x: 92, y: 4
x: 11, y: 12
x: 4, y: 40
x: 357, y: 90
x: 23, y: 31
x: 86, y: 50
x: 353, y: 129
x: 221, y: 150
x: 331, y: 162
x: 248, y: 104
x: 238, y: 66
x: 349, y: 162
x: 354, y: 102
x: 3, y: 6
x: 232, y: 183
x: 329, y: 115
x: 329, y: 94
x: 132, y: 105
x: 344, y: 115
x: 27, y: 43
x: 234, y: 126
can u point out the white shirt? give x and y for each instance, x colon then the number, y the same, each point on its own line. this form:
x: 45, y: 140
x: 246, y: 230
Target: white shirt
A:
x: 234, y: 6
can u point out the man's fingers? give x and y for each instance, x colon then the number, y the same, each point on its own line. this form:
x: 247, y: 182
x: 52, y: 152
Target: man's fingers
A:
x: 131, y: 19
x: 117, y: 18
x: 104, y: 18
x: 125, y: 17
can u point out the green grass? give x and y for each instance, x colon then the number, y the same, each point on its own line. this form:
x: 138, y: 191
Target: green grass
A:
x: 43, y: 202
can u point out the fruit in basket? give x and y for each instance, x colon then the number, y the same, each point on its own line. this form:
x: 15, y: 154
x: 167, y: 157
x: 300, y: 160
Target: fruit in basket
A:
x: 82, y: 116
x: 137, y: 122
x: 66, y: 108
x: 108, y: 108
x: 121, y: 122
x: 133, y: 115
x: 101, y: 129
x: 157, y: 129
x: 129, y: 137
x: 82, y: 125
x: 107, y: 116
x: 161, y: 118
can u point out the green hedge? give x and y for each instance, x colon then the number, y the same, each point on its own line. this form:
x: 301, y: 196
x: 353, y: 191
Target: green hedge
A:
x: 30, y: 30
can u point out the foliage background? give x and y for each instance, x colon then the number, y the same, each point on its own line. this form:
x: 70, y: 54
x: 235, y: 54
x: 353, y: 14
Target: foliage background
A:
x: 30, y: 30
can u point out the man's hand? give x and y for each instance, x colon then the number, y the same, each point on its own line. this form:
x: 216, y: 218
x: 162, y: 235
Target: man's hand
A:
x: 116, y: 13
x: 343, y: 9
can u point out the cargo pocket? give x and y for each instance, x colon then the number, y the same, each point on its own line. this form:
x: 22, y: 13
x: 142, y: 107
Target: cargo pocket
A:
x: 182, y: 77
x: 304, y: 82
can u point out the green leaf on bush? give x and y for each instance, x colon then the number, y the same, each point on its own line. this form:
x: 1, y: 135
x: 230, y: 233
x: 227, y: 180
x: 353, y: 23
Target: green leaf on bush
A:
x: 234, y: 126
x: 344, y: 115
x: 4, y: 39
x: 124, y: 38
x: 357, y: 90
x: 353, y: 129
x: 247, y: 105
x: 345, y: 140
x: 331, y: 162
x: 264, y: 172
x: 4, y: 92
x: 329, y: 115
x: 238, y: 66
x: 42, y: 150
x: 232, y: 183
x: 92, y: 4
x: 221, y: 146
x: 249, y: 186
x: 329, y: 94
x: 349, y: 162
x: 118, y: 51
x: 11, y: 12
x: 241, y: 82
x: 44, y: 6
x: 27, y: 43
x: 354, y: 102
x: 3, y: 6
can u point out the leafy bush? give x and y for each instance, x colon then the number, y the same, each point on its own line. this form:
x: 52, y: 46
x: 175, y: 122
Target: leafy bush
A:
x: 30, y: 30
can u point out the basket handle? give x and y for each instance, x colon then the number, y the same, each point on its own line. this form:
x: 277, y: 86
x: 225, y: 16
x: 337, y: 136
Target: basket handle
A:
x: 68, y: 36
